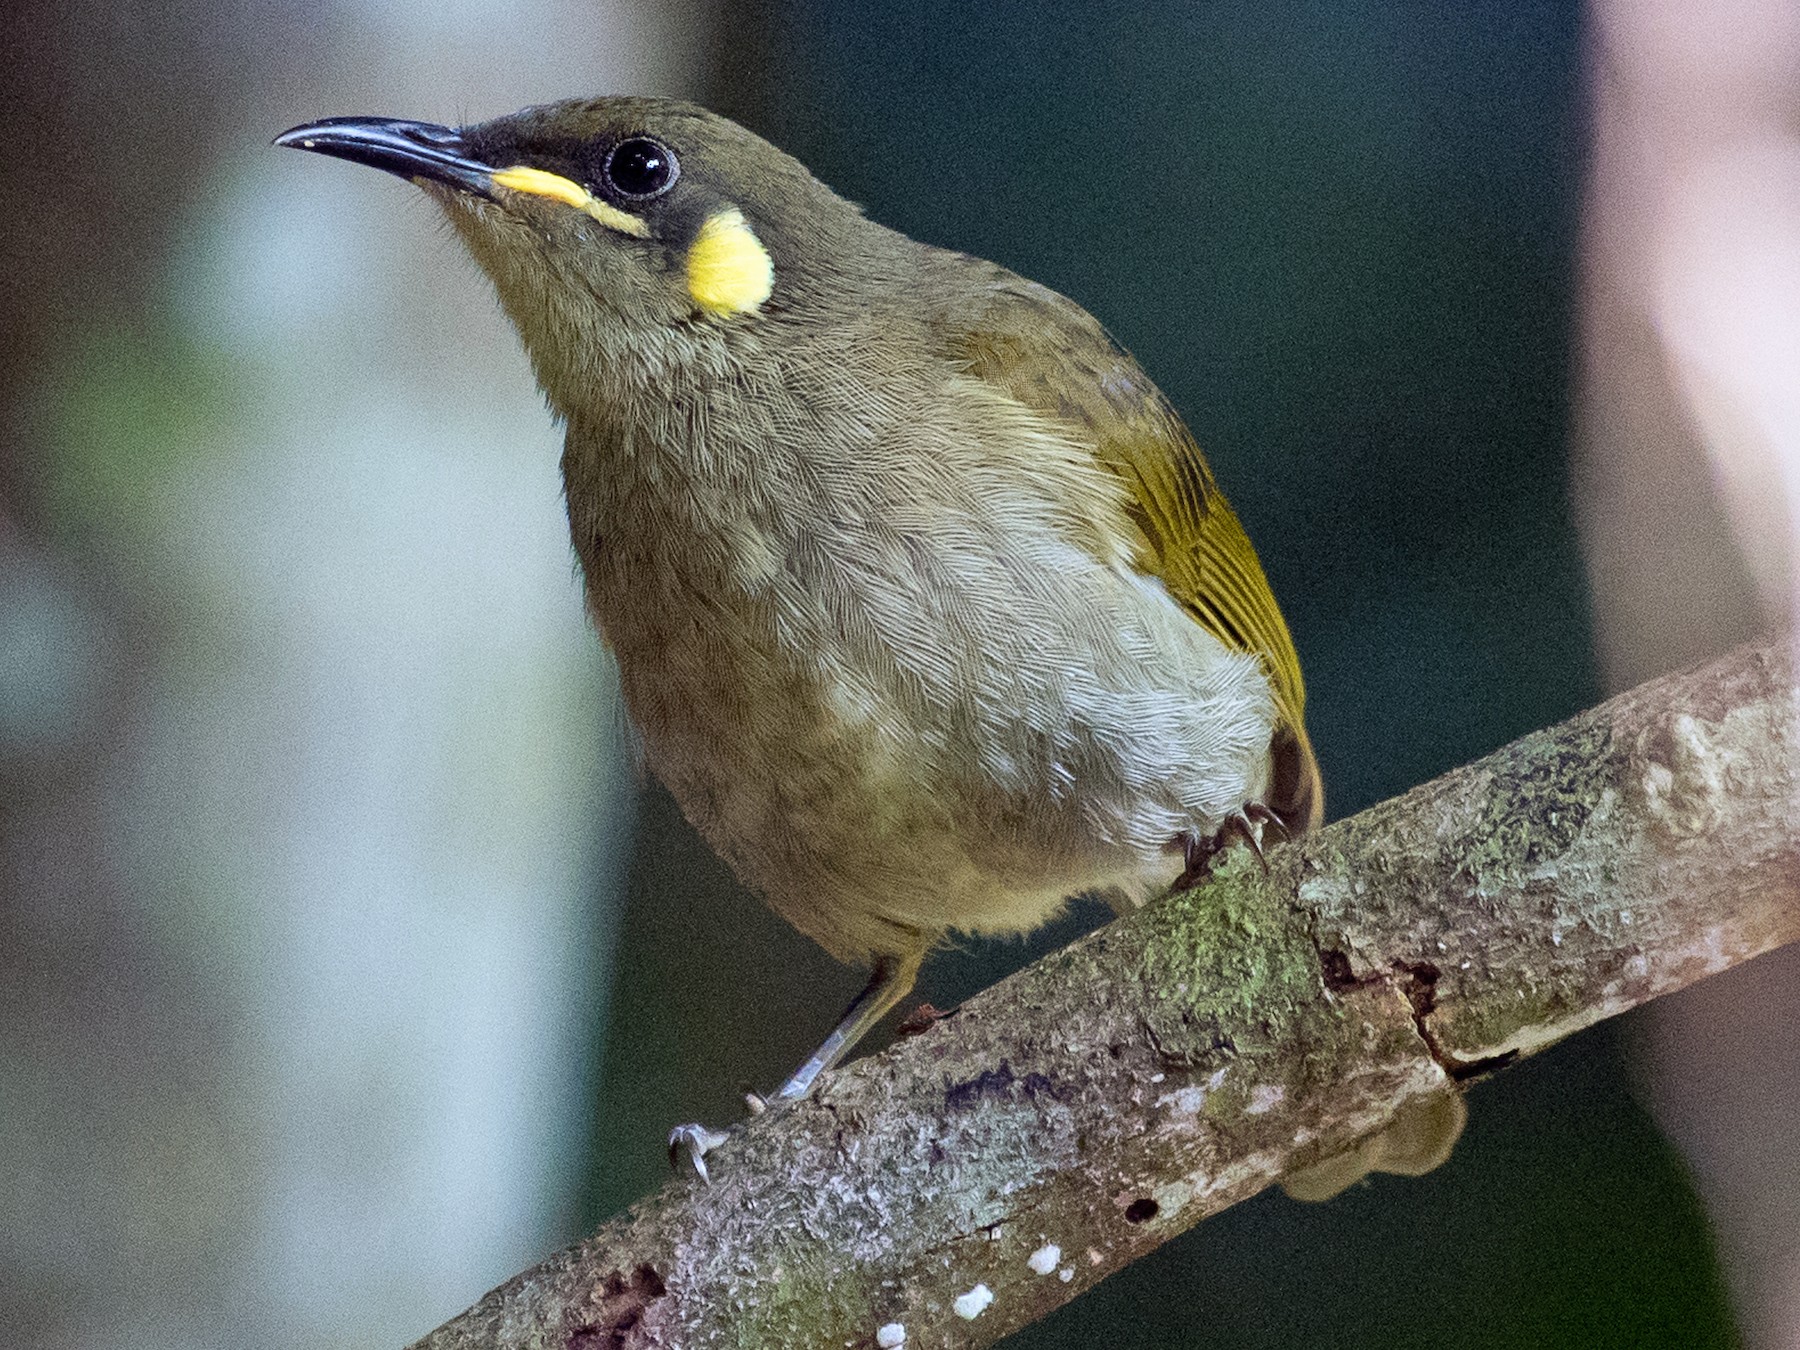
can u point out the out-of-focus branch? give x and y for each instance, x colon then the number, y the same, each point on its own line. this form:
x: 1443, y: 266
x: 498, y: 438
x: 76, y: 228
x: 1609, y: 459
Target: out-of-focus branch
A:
x: 1686, y: 477
x: 971, y: 1179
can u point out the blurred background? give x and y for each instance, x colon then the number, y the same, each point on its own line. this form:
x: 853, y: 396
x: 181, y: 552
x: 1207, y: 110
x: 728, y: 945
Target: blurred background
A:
x: 345, y: 965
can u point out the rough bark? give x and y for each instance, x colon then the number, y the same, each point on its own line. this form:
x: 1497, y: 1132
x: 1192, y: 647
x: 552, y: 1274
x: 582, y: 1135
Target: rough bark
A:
x: 1076, y: 1115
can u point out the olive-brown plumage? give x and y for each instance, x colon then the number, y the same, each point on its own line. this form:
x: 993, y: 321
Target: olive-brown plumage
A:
x: 926, y: 605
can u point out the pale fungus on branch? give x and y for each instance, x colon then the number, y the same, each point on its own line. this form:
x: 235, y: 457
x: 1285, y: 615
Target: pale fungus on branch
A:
x: 1188, y: 1056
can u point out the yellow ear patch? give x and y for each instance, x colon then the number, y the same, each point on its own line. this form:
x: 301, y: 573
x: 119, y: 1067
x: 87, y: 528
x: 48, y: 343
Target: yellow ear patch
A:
x: 728, y: 269
x: 539, y: 183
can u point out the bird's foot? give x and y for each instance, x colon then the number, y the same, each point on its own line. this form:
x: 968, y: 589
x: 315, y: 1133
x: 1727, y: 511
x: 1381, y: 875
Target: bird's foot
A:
x: 888, y: 983
x: 691, y: 1143
x: 1246, y: 823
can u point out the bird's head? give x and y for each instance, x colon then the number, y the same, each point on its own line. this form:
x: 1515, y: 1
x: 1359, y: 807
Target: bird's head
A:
x: 626, y: 229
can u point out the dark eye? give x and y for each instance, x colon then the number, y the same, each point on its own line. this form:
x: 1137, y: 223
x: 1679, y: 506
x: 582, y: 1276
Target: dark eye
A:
x: 640, y: 167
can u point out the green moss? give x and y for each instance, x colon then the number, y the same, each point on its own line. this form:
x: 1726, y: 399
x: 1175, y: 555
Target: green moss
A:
x: 1229, y: 973
x: 807, y: 1295
x: 1227, y: 1101
x: 1546, y: 787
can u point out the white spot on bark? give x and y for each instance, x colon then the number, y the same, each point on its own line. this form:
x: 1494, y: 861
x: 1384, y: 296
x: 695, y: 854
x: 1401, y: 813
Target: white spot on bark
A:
x: 1171, y: 1197
x: 1066, y: 1274
x: 1683, y: 782
x: 971, y: 1305
x: 1044, y: 1259
x: 1264, y: 1097
x: 893, y: 1334
x: 1187, y: 1101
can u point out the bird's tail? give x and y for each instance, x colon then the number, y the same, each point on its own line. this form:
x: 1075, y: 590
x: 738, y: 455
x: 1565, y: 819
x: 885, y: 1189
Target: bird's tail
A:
x: 1296, y: 792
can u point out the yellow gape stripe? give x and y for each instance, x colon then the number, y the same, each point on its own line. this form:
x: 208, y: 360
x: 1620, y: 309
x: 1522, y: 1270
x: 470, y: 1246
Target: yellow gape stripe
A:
x: 728, y: 269
x: 559, y: 189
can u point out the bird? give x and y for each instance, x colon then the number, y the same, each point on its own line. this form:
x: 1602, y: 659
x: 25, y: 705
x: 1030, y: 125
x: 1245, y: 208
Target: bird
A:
x: 927, y: 608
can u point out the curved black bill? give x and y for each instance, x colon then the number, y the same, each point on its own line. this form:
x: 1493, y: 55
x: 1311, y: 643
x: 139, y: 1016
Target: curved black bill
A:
x: 409, y: 149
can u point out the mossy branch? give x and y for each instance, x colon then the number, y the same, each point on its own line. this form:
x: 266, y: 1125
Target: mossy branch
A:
x: 1073, y: 1117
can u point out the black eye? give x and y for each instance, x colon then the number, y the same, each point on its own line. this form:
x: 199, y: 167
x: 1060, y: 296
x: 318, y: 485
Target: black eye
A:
x: 640, y: 167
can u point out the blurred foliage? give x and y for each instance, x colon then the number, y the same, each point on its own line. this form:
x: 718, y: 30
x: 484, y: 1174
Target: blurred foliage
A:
x: 1341, y: 237
x: 131, y: 409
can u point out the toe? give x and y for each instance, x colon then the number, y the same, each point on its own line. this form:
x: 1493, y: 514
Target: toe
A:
x: 692, y: 1143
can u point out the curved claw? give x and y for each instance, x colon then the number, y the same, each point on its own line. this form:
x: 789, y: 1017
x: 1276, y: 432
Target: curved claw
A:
x: 1265, y: 815
x: 1246, y: 823
x: 696, y: 1141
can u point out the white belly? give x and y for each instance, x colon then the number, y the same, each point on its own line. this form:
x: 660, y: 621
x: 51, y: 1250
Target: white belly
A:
x: 967, y: 765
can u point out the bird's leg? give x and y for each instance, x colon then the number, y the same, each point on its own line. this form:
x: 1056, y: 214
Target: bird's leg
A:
x: 889, y: 982
x: 1246, y: 823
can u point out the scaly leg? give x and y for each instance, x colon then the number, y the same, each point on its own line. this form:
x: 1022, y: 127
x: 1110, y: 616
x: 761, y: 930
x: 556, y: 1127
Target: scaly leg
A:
x: 889, y: 982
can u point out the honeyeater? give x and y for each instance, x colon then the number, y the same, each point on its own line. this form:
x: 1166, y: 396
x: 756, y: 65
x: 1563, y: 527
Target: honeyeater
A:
x: 926, y: 606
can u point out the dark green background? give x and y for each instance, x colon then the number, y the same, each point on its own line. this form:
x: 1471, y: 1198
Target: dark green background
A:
x: 1342, y: 240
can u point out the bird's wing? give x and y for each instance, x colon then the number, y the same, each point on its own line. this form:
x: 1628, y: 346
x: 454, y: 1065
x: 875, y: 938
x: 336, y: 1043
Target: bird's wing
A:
x: 1054, y: 357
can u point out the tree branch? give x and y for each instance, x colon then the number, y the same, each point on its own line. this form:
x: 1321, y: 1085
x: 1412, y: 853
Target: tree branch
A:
x: 1071, y: 1118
